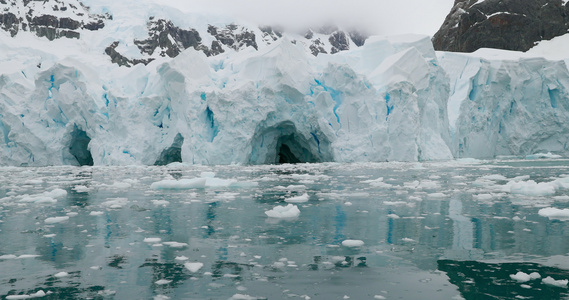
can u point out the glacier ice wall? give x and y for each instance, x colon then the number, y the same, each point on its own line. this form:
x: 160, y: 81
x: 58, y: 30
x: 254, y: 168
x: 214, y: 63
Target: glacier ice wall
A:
x: 515, y: 106
x: 384, y: 101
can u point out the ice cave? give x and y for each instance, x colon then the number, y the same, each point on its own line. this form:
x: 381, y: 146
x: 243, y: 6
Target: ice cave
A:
x: 283, y: 143
x: 171, y: 154
x: 79, y: 147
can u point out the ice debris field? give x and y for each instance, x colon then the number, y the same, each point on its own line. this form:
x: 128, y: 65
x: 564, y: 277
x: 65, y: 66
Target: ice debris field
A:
x: 306, y: 231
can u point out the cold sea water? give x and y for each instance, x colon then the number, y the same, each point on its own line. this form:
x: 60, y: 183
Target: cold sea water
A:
x: 467, y: 229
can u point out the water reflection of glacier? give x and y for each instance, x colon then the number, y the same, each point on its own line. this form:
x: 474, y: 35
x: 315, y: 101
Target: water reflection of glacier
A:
x: 423, y: 225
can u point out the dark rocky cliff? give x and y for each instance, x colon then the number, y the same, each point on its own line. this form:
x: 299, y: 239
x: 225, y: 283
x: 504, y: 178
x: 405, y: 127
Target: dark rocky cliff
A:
x: 49, y: 18
x: 502, y: 24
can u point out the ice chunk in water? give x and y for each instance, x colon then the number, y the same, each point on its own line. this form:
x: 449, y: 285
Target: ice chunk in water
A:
x: 558, y: 283
x: 193, y: 266
x: 554, y: 213
x: 181, y: 184
x: 521, y: 277
x: 284, y: 212
x: 54, y: 220
x: 352, y: 243
x: 298, y: 199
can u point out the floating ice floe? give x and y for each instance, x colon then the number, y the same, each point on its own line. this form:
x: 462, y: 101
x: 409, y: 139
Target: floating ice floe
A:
x: 424, y: 184
x: 524, y: 277
x: 298, y: 199
x: 152, y: 240
x: 494, y: 177
x: 115, y: 203
x: 61, y: 274
x: 162, y: 282
x: 206, y: 181
x: 81, y: 189
x: 353, y: 243
x: 436, y: 195
x: 554, y: 213
x: 378, y: 183
x: 226, y: 196
x: 522, y: 185
x: 181, y: 258
x: 12, y: 256
x: 160, y: 202
x: 291, y: 187
x: 284, y: 212
x: 46, y: 197
x: 394, y: 203
x: 242, y: 297
x: 543, y: 155
x: 54, y: 220
x: 558, y: 283
x: 530, y: 188
x: 175, y: 244
x: 37, y: 294
x: 193, y: 266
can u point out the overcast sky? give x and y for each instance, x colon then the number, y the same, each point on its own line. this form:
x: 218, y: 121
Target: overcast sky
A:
x: 383, y: 17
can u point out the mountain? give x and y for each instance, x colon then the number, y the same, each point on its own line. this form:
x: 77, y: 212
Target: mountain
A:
x: 55, y: 19
x: 502, y: 24
x: 51, y: 19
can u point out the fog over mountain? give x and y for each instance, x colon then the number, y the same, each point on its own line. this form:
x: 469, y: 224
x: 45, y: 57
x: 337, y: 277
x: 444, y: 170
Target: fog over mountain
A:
x: 381, y: 17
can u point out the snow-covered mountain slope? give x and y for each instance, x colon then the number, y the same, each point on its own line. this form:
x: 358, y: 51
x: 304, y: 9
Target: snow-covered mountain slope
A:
x: 501, y: 24
x: 142, y: 32
x: 154, y: 86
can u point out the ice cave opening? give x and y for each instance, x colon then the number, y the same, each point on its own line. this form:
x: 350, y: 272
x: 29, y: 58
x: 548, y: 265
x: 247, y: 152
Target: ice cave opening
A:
x: 79, y: 147
x: 171, y: 154
x: 284, y: 144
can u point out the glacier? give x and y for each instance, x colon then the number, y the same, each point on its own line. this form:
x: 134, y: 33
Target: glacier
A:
x: 505, y: 103
x: 63, y: 102
x: 385, y: 101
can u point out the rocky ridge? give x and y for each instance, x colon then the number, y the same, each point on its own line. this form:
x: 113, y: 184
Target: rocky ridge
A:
x: 503, y: 24
x: 167, y: 39
x: 51, y: 19
x: 55, y: 19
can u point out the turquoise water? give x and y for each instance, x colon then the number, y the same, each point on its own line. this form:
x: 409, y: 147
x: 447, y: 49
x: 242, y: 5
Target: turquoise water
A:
x: 430, y: 231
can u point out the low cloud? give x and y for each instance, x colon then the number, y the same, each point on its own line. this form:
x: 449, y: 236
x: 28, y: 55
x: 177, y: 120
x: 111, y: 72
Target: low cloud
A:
x: 383, y: 17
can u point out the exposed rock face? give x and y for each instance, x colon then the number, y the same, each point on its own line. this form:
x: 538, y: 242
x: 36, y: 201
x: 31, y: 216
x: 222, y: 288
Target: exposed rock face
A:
x: 271, y: 34
x: 503, y: 24
x: 358, y: 38
x: 339, y: 42
x: 122, y: 60
x: 234, y: 36
x: 166, y: 39
x: 50, y: 18
x: 317, y: 47
x: 169, y: 39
